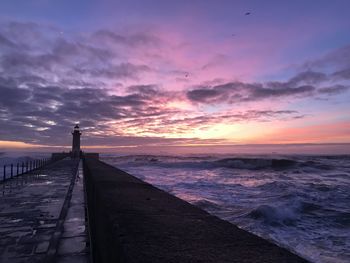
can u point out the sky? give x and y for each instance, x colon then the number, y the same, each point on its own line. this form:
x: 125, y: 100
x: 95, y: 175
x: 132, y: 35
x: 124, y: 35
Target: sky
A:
x: 138, y: 74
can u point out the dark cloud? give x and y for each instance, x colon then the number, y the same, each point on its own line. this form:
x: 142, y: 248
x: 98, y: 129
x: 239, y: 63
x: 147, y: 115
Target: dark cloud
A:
x: 133, y: 40
x: 235, y: 92
x: 19, y: 61
x: 49, y: 110
x: 206, y: 95
x: 42, y: 50
x: 6, y: 42
x: 308, y: 77
x: 338, y: 61
x: 64, y: 48
x: 49, y: 82
x: 339, y: 58
x: 144, y: 89
x: 302, y: 85
x: 336, y: 89
x: 123, y: 70
x: 217, y: 60
x: 342, y: 74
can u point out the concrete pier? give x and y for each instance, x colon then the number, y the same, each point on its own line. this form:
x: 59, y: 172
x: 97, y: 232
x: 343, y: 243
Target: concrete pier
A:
x: 132, y: 221
x: 43, y: 219
x: 42, y: 216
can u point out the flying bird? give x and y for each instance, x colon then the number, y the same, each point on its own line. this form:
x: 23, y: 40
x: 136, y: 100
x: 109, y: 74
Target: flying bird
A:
x: 247, y: 13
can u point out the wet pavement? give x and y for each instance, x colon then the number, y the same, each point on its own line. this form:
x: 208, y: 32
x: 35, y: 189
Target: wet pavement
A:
x: 74, y: 243
x: 42, y: 213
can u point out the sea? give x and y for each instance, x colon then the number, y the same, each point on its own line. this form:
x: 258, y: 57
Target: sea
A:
x: 300, y: 202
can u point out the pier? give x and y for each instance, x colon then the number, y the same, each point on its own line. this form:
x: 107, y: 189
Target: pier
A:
x: 76, y: 208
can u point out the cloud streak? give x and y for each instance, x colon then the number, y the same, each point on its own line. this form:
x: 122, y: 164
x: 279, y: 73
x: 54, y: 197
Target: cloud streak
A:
x: 303, y: 85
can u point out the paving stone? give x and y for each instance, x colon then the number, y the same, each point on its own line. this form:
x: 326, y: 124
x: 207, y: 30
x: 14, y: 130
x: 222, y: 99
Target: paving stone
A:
x: 72, y: 245
x: 72, y: 259
x: 42, y: 247
x: 72, y: 229
x: 29, y: 210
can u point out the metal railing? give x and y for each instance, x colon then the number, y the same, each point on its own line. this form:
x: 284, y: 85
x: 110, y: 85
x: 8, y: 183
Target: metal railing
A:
x: 13, y: 170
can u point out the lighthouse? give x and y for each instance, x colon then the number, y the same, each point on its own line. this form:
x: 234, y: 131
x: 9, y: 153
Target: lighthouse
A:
x: 76, y: 142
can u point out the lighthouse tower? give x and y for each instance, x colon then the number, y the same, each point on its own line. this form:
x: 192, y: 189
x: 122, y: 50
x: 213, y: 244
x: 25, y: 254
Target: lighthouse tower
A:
x: 76, y: 142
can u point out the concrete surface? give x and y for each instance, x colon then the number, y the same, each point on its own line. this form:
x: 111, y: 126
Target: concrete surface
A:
x: 30, y: 212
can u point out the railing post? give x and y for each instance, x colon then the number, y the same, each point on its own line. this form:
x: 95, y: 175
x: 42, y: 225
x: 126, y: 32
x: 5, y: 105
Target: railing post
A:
x: 22, y: 167
x: 26, y: 166
x: 17, y: 169
x: 11, y: 170
x: 4, y: 178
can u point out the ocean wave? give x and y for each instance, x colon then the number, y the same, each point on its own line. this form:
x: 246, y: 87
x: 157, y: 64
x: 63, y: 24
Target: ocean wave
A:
x: 275, y: 185
x: 207, y: 162
x: 256, y: 163
x: 286, y: 214
x: 275, y: 215
x: 207, y: 205
x: 342, y: 219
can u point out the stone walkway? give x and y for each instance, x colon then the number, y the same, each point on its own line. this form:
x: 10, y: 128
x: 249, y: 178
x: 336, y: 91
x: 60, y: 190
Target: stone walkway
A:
x: 74, y: 243
x: 33, y: 210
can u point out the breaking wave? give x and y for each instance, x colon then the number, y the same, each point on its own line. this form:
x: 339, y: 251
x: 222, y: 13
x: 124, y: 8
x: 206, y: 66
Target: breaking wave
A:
x: 208, y: 162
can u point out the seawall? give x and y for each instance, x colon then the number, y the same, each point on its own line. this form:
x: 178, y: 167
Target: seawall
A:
x: 133, y: 221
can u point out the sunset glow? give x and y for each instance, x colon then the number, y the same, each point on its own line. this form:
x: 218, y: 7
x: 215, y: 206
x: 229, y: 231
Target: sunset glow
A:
x: 161, y: 73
